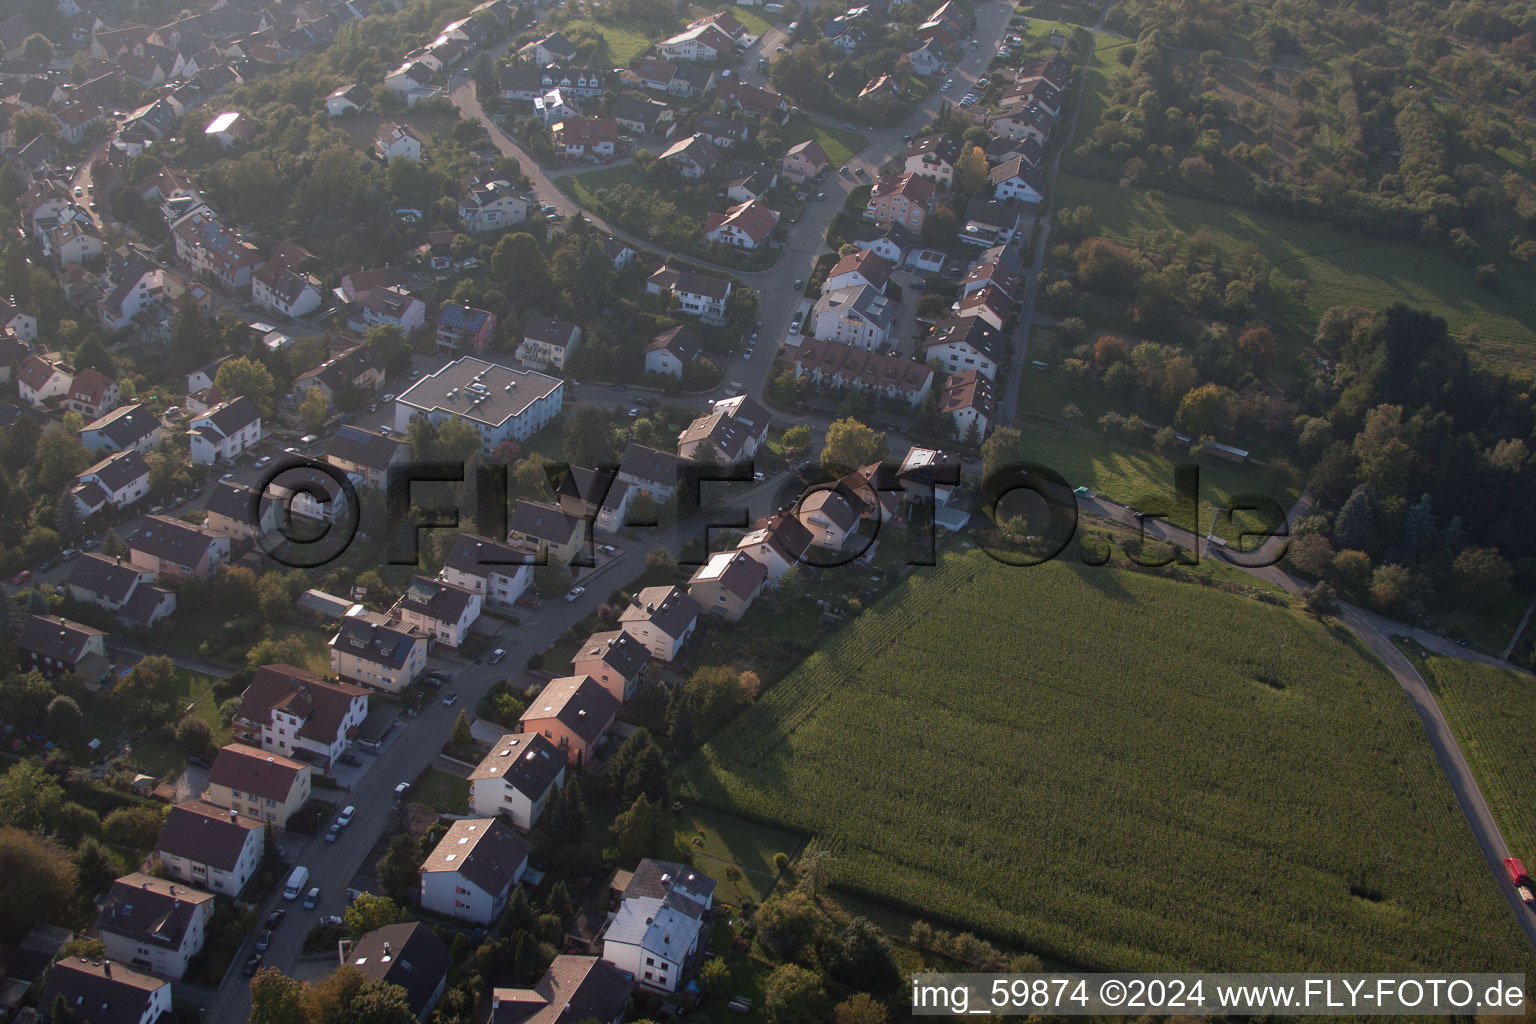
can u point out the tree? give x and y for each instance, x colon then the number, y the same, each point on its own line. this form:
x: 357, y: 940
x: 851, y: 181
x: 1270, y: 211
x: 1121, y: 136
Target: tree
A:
x: 423, y: 437
x: 1392, y: 589
x: 457, y: 441
x: 37, y: 879
x: 1000, y: 451
x: 715, y: 977
x: 96, y: 866
x: 1355, y: 525
x: 1205, y: 410
x: 391, y: 346
x: 463, y: 738
x: 793, y: 995
x: 640, y: 831
x: 1319, y: 601
x: 29, y: 124
x: 1480, y: 576
x: 860, y: 958
x: 645, y: 777
x: 28, y: 796
x: 64, y: 717
x: 278, y: 999
x: 194, y: 735
x: 314, y: 410
x: 347, y: 996
x: 971, y: 171
x: 37, y: 47
x: 860, y: 1008
x: 153, y: 679
x: 851, y: 444
x: 368, y: 911
x: 788, y: 924
x: 399, y: 869
x: 136, y: 828
x: 59, y: 458
x: 245, y: 377
x: 796, y: 439
x: 589, y: 436
x: 518, y: 263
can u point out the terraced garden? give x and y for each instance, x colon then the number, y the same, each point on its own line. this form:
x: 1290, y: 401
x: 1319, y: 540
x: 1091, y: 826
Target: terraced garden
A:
x: 1211, y: 782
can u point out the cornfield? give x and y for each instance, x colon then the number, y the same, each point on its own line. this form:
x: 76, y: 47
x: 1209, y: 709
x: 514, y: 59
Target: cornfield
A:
x: 1118, y: 771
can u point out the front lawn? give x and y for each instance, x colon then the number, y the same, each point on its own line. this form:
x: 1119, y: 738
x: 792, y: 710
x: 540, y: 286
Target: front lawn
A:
x: 839, y: 144
x: 715, y: 842
x: 621, y: 42
x: 444, y: 793
x: 584, y: 187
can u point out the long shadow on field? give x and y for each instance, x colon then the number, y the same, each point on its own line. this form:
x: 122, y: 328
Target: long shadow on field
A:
x: 1100, y: 577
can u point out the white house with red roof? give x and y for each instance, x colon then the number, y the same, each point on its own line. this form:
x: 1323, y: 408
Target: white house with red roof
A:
x: 744, y: 226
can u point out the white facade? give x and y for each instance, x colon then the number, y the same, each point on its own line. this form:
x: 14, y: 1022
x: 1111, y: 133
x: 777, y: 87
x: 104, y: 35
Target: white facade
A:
x: 500, y: 586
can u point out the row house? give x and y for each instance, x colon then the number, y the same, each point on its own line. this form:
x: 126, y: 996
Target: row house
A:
x: 520, y: 82
x: 967, y: 399
x: 120, y: 588
x: 215, y: 251
x: 174, y: 549
x: 832, y: 364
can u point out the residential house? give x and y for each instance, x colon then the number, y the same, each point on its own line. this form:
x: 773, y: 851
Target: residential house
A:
x: 520, y: 82
x: 574, y: 990
x: 650, y: 471
x: 733, y: 429
x: 655, y: 74
x: 727, y: 584
x: 749, y: 182
x: 18, y: 322
x: 1022, y: 120
x: 892, y: 242
x: 365, y: 455
x: 74, y: 242
x: 990, y: 304
x: 662, y: 618
x: 118, y: 480
x: 964, y: 343
x: 831, y: 514
x: 76, y: 120
x: 492, y: 206
x: 280, y: 285
x: 878, y: 87
x: 1003, y: 149
x: 861, y: 317
x: 554, y: 48
x: 703, y: 42
x: 573, y: 713
x: 497, y: 571
x: 135, y: 283
x: 654, y: 936
x: 356, y: 370
x: 408, y: 955
x: 1001, y: 266
x: 126, y: 428
x: 12, y: 351
x: 392, y: 306
x: 441, y: 610
x: 556, y: 106
x: 373, y: 650
x: 236, y: 511
x: 615, y: 659
x: 396, y: 141
x: 671, y: 350
x: 548, y: 343
x: 175, y: 549
x: 154, y: 925
x: 696, y: 294
x: 638, y: 115
x: 544, y: 532
x: 215, y: 251
x: 224, y: 431
x: 590, y: 138
x: 1016, y: 179
x: 293, y: 712
x: 411, y: 81
x: 757, y: 101
x: 596, y: 497
x: 471, y: 871
x: 927, y: 59
x: 905, y: 200
x: 995, y: 222
x: 356, y: 286
x: 776, y: 545
x: 968, y: 400
x: 92, y: 394
x: 349, y: 99
x: 501, y: 403
x: 862, y: 269
x: 1054, y: 69
x: 934, y: 157
x: 724, y: 132
x: 38, y: 379
x: 58, y: 647
x: 745, y: 226
x: 261, y: 785
x: 838, y: 366
x: 211, y: 847
x: 693, y: 157
x: 464, y: 329
x: 87, y: 985
x: 517, y: 778
x: 119, y: 588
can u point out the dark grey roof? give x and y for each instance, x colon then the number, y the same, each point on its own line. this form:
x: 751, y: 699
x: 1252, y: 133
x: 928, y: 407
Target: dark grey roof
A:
x: 150, y: 910
x: 579, y: 702
x: 171, y: 539
x: 364, y: 448
x: 527, y: 762
x: 651, y: 466
x: 647, y: 881
x: 56, y: 638
x: 616, y: 648
x: 442, y: 601
x: 408, y: 955
x: 669, y: 609
x: 101, y: 575
x: 483, y: 851
x: 103, y: 993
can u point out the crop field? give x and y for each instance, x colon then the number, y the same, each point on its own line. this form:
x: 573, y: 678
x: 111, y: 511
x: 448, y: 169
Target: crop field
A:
x: 1338, y: 268
x: 621, y: 42
x: 1216, y: 783
x: 1490, y: 710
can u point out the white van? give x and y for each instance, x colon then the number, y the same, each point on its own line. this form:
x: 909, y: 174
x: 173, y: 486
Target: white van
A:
x: 296, y: 880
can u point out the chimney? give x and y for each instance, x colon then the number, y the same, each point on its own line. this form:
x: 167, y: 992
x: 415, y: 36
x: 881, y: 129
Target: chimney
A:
x: 106, y: 968
x: 234, y: 815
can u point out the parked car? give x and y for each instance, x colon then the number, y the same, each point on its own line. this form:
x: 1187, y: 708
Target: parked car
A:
x: 527, y: 602
x: 799, y: 282
x: 91, y: 543
x: 617, y: 387
x: 24, y: 576
x: 402, y: 789
x: 312, y: 898
x: 387, y: 398
x: 198, y: 761
x: 331, y: 921
x: 263, y: 460
x: 574, y: 593
x: 497, y: 655
x: 69, y: 553
x: 821, y: 195
x: 227, y: 477
x: 346, y: 816
x: 351, y: 759
x: 252, y: 965
x: 276, y: 918
x: 263, y: 941
x: 747, y: 355
x: 331, y: 835
x: 450, y: 699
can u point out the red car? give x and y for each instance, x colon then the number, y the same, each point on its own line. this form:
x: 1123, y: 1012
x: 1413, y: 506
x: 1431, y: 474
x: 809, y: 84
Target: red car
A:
x: 527, y: 602
x: 24, y: 576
